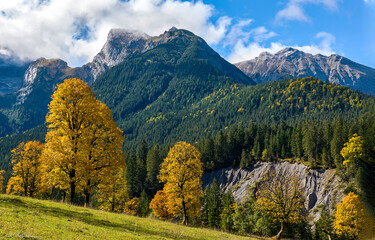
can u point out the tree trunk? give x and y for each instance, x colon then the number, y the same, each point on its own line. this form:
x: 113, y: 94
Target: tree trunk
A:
x: 278, y: 236
x: 64, y: 196
x: 51, y: 196
x: 72, y: 191
x: 72, y: 185
x: 184, y: 217
x: 87, y: 199
x: 87, y: 194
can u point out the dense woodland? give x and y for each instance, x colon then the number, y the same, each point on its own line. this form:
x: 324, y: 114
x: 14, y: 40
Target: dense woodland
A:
x: 309, y: 121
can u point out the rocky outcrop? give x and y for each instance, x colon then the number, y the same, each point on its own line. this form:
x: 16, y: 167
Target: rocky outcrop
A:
x: 53, y: 68
x: 292, y: 63
x: 319, y: 186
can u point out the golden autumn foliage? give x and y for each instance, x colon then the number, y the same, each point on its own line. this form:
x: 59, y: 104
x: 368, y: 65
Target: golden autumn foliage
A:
x: 131, y: 207
x: 160, y: 207
x: 83, y: 143
x: 26, y: 177
x: 352, y: 220
x: 2, y: 181
x: 279, y: 196
x: 353, y: 150
x: 113, y: 192
x: 181, y: 172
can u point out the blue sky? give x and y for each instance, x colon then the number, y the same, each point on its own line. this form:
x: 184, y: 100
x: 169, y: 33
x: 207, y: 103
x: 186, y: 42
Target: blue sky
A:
x: 76, y: 30
x: 350, y: 25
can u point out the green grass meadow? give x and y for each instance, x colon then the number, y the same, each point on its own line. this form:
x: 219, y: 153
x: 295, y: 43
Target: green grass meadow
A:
x: 27, y: 218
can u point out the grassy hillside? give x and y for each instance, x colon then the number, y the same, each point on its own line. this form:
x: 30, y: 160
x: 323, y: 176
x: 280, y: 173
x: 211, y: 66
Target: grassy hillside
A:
x: 27, y: 218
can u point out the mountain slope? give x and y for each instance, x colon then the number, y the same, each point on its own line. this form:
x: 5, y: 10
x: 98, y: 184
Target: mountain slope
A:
x: 28, y: 218
x: 292, y: 63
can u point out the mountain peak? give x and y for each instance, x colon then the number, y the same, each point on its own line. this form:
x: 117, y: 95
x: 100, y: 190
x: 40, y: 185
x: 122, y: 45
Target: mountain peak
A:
x: 118, y: 34
x: 293, y: 63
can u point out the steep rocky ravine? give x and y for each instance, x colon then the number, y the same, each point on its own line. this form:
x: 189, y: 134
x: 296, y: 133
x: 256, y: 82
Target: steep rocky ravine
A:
x: 320, y: 186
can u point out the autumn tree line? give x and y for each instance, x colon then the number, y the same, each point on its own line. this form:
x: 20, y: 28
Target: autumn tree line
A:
x: 82, y: 162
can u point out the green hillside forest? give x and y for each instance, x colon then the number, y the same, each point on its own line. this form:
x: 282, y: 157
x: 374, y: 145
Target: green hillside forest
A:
x: 309, y: 121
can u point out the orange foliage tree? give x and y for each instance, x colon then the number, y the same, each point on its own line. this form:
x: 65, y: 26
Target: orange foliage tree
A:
x: 181, y: 172
x: 26, y: 177
x: 160, y: 207
x: 131, y: 207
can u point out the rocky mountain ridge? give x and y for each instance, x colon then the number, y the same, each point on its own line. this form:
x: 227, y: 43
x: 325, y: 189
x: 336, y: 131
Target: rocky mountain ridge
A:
x: 291, y: 63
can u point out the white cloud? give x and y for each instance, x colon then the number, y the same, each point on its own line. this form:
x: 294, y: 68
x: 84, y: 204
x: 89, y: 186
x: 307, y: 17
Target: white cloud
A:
x: 76, y: 30
x: 369, y: 1
x: 294, y: 9
x: 243, y: 51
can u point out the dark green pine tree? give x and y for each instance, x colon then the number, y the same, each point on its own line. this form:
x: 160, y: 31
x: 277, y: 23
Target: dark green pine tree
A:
x: 154, y: 159
x: 221, y: 150
x: 338, y: 140
x: 207, y: 148
x: 296, y: 142
x: 143, y: 207
x: 246, y: 159
x: 226, y: 216
x: 131, y: 172
x: 141, y: 168
x: 212, y: 205
x: 312, y: 141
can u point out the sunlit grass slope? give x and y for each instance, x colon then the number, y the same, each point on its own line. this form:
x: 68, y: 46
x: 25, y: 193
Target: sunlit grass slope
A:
x: 26, y: 218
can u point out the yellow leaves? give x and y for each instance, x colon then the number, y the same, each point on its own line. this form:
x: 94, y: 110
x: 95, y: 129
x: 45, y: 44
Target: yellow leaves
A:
x: 352, y: 217
x: 26, y: 161
x: 353, y: 149
x: 280, y: 197
x: 160, y: 207
x: 2, y: 181
x: 83, y: 143
x: 131, y: 207
x: 113, y: 193
x: 181, y: 171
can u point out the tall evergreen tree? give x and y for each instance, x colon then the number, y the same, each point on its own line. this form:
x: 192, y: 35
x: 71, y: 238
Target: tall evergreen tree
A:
x: 154, y: 159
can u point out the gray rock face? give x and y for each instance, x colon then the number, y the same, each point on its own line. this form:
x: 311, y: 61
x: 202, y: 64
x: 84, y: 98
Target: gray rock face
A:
x: 319, y: 186
x: 54, y: 68
x: 292, y: 63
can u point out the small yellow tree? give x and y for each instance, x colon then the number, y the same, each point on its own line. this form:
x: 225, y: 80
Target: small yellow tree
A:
x: 2, y: 179
x: 279, y: 196
x: 131, y: 207
x: 113, y: 192
x: 353, y: 150
x: 160, y: 207
x: 181, y: 172
x: 26, y: 177
x: 352, y: 218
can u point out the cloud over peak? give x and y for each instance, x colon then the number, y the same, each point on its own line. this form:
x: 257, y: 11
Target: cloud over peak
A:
x: 54, y: 28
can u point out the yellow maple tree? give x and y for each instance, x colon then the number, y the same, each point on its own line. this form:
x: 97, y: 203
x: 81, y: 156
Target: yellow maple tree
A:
x: 82, y: 138
x: 279, y: 196
x: 159, y: 205
x: 2, y: 179
x: 353, y: 150
x: 352, y: 220
x: 26, y: 177
x: 101, y: 150
x: 181, y: 172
